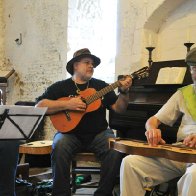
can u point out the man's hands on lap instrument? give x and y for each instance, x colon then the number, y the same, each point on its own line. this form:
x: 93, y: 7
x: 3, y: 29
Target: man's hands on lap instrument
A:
x: 154, y: 137
x: 190, y: 141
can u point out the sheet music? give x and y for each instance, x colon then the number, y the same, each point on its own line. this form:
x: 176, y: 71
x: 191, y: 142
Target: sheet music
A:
x: 171, y: 75
x: 26, y: 117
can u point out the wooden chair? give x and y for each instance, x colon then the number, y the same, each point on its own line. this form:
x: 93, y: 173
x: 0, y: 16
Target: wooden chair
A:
x: 37, y: 147
x: 23, y: 171
x: 76, y: 169
x: 45, y: 147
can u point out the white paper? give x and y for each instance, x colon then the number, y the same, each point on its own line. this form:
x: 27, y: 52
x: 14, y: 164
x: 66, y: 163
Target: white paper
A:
x: 171, y: 75
x: 25, y: 117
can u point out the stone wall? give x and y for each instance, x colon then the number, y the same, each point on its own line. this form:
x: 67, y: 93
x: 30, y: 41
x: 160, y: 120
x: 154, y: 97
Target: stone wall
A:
x: 163, y: 24
x: 2, y: 34
x: 40, y: 58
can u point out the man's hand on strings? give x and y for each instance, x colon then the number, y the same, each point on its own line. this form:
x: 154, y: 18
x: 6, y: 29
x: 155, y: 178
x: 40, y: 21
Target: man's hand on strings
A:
x: 190, y: 141
x: 77, y: 104
x: 125, y: 84
x: 154, y: 137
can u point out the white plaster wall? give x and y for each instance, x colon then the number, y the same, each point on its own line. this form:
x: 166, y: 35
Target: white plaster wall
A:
x: 2, y: 35
x: 132, y: 15
x: 40, y: 59
x: 180, y: 27
x: 167, y: 23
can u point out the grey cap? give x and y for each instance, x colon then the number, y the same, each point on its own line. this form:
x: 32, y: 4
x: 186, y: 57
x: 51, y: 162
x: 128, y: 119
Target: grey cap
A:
x: 191, y: 57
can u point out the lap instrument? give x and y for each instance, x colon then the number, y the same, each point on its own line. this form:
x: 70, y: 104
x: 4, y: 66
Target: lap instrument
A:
x: 135, y: 147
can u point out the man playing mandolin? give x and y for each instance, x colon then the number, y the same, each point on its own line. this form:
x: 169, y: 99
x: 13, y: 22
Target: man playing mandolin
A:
x: 138, y: 172
x: 66, y: 100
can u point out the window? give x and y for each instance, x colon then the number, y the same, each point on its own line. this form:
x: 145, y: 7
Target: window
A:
x: 92, y: 24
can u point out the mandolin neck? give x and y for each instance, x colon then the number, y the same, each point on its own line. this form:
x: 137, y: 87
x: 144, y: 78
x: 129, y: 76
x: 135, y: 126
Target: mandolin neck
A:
x: 141, y: 73
x: 102, y: 92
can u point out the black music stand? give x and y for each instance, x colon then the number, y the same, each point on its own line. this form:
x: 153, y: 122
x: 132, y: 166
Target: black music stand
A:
x: 19, y: 122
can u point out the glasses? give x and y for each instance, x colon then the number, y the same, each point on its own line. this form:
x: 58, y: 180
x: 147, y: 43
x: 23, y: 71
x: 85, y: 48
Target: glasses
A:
x: 88, y: 63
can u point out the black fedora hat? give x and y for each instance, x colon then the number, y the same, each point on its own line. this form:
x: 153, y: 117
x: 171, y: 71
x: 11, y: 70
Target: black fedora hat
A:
x: 79, y: 54
x: 191, y: 57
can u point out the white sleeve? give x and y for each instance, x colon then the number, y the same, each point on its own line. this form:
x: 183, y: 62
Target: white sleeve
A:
x: 170, y: 111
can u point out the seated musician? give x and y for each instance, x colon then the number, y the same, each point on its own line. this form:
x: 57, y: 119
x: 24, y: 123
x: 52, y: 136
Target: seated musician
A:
x: 138, y: 172
x: 91, y: 132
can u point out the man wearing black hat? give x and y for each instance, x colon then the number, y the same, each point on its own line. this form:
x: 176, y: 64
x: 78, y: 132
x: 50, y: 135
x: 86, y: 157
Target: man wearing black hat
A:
x: 91, y: 132
x: 138, y: 172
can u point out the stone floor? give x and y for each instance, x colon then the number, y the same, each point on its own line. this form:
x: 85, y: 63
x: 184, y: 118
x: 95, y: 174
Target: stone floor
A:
x: 39, y: 174
x: 84, y: 191
x: 87, y: 191
x: 79, y: 192
x: 90, y: 191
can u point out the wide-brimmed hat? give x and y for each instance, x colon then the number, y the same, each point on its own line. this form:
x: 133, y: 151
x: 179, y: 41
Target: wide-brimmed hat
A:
x: 79, y: 54
x: 191, y: 57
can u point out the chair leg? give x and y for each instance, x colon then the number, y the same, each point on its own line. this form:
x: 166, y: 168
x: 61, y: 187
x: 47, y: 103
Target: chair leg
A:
x: 173, y: 189
x: 23, y: 171
x: 73, y: 176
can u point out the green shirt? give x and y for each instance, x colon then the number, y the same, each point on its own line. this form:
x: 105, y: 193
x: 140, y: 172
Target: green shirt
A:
x: 190, y: 99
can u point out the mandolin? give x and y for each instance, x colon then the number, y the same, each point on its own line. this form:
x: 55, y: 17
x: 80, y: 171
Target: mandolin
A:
x: 67, y: 120
x: 174, y: 152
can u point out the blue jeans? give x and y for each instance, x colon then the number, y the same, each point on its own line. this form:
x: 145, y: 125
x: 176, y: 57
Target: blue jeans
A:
x: 8, y: 164
x: 65, y: 146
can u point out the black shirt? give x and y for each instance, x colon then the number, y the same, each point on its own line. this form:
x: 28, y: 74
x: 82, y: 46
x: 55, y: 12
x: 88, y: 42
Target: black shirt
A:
x: 93, y: 122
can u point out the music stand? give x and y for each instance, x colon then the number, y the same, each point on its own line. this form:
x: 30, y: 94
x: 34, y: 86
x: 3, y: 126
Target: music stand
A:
x: 19, y: 122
